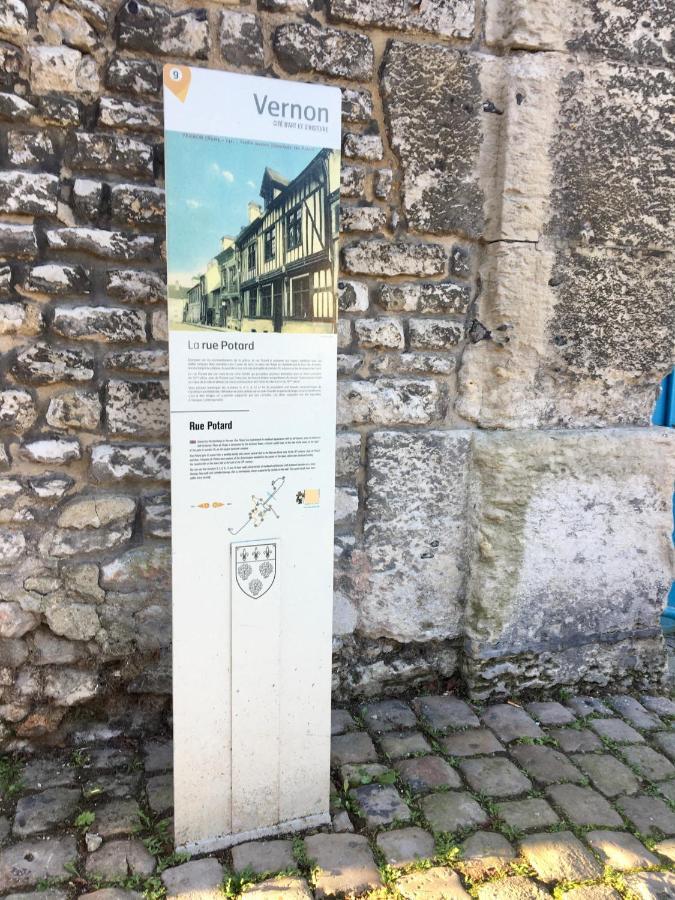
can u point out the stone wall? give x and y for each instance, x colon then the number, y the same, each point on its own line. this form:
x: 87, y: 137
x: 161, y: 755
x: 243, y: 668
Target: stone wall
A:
x: 503, y: 509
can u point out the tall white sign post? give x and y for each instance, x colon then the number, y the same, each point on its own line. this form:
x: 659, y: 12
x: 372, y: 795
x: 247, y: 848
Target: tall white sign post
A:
x: 252, y: 192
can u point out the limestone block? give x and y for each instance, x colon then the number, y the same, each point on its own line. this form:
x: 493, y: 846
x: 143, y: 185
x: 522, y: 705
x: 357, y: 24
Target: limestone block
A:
x: 55, y: 109
x: 415, y: 541
x: 139, y: 568
x: 574, y: 337
x: 155, y: 29
x: 384, y: 331
x: 57, y: 451
x: 362, y: 218
x: 17, y: 241
x: 107, y: 244
x: 145, y: 362
x: 305, y: 47
x: 241, y: 40
x: 353, y: 181
x: 62, y: 69
x: 43, y: 364
x: 13, y: 19
x: 111, y: 151
x: 54, y: 278
x: 20, y: 318
x: 17, y: 410
x: 136, y: 286
x: 429, y: 297
x: 138, y: 76
x: 138, y: 204
x: 137, y: 407
x: 571, y: 547
x: 75, y: 409
x: 119, y: 462
x: 99, y: 323
x: 378, y: 257
x: 395, y: 401
x: 434, y: 334
x: 362, y: 146
x: 454, y: 19
x: 352, y: 296
x: 116, y: 113
x: 60, y: 24
x: 347, y: 453
x: 28, y: 149
x: 357, y: 105
x: 75, y: 621
x: 598, y: 187
x: 434, y: 105
x: 628, y: 29
x: 383, y: 183
x: 159, y: 325
x: 28, y: 193
x: 67, y: 687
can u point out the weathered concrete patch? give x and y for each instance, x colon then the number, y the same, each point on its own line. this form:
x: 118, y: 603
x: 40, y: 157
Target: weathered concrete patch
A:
x: 432, y: 97
x: 559, y: 350
x: 558, y: 507
x: 413, y: 567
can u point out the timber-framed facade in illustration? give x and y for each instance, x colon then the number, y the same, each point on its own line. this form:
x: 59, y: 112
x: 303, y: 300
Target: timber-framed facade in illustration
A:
x: 280, y: 273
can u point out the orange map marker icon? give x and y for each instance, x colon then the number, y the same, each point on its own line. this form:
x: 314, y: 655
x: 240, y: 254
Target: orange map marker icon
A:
x: 177, y: 80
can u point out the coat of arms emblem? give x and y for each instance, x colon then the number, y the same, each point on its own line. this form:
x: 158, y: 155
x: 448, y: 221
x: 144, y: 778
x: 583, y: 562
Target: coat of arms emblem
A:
x: 255, y: 568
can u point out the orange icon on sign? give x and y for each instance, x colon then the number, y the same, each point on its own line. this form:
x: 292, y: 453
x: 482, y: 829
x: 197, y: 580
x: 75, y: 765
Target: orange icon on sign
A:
x: 177, y: 80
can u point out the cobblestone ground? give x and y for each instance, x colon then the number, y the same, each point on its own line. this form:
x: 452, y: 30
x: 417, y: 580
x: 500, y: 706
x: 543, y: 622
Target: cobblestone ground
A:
x: 433, y: 798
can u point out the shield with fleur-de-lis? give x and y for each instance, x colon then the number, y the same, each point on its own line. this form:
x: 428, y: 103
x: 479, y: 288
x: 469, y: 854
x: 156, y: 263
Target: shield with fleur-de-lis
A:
x: 255, y: 568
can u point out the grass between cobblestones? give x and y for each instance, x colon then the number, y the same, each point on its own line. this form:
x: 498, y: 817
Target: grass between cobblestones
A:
x: 153, y: 827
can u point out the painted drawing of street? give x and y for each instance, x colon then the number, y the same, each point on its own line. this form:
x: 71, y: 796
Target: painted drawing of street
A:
x: 253, y: 236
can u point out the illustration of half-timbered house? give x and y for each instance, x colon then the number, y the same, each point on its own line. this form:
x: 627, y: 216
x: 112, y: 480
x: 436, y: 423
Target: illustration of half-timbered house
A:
x: 288, y: 252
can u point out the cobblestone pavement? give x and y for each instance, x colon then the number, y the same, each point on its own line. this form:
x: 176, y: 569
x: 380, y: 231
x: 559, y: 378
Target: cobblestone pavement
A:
x: 433, y: 798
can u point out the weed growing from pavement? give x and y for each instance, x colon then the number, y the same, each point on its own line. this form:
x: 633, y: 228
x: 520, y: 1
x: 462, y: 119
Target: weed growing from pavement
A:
x: 84, y: 819
x: 10, y: 777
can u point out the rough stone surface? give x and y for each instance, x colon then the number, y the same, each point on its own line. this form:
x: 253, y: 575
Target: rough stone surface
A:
x: 583, y: 806
x: 621, y: 851
x: 453, y: 810
x: 486, y: 852
x: 379, y: 805
x: 511, y: 722
x: 435, y: 882
x: 25, y: 864
x: 306, y: 47
x: 403, y: 846
x: 527, y: 815
x: 427, y: 773
x: 471, y: 743
x: 265, y: 856
x: 156, y: 29
x: 41, y: 812
x: 513, y: 502
x: 545, y: 765
x: 119, y: 858
x: 449, y: 20
x: 345, y: 864
x: 559, y: 857
x: 516, y: 887
x: 432, y: 94
x: 495, y: 777
x: 649, y: 815
x: 607, y: 774
x: 414, y: 530
x: 241, y: 38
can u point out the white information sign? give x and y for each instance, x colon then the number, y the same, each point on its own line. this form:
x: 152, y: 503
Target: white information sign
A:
x: 252, y: 192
